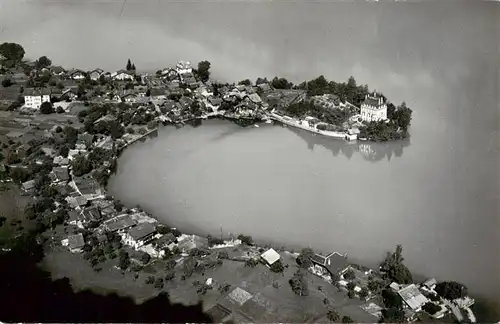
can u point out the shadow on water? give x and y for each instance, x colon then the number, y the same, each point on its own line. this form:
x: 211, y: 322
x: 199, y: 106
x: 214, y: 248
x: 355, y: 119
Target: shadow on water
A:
x: 28, y: 294
x: 370, y: 151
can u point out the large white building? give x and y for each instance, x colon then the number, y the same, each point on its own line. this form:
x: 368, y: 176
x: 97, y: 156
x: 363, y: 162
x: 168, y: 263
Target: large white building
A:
x: 33, y: 98
x: 374, y: 108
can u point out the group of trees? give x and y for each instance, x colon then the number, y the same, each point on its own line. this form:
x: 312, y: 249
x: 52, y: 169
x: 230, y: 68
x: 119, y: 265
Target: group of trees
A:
x: 397, y: 127
x: 130, y: 66
x: 299, y: 284
x: 393, y: 268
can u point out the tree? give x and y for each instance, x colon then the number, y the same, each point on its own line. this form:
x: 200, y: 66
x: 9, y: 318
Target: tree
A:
x: 251, y: 263
x: 60, y: 110
x: 46, y: 108
x: 81, y: 166
x: 431, y: 308
x: 145, y: 258
x: 133, y: 67
x: 204, y: 70
x: 7, y: 82
x: 347, y: 319
x: 394, y: 269
x: 451, y: 290
x: 349, y: 275
x: 391, y: 299
x: 351, y: 285
x: 247, y: 240
x: 129, y: 65
x: 12, y: 52
x: 245, y: 82
x: 261, y: 80
x: 299, y: 284
x: 333, y: 316
x: 363, y: 293
x: 123, y: 260
x: 277, y: 267
x: 281, y: 83
x: 43, y: 62
x: 304, y: 258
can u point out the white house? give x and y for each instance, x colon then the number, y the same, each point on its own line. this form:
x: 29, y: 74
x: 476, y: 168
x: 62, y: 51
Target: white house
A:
x: 139, y: 235
x: 374, y: 108
x: 270, y: 256
x: 122, y: 75
x: 33, y: 98
x: 183, y: 67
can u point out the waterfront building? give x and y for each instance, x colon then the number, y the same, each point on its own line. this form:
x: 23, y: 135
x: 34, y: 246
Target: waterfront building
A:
x: 374, y: 108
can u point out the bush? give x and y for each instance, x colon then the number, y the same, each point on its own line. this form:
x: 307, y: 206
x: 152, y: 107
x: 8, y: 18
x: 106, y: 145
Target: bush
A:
x: 277, y: 267
x: 46, y: 108
x: 145, y: 258
x: 347, y: 319
x: 223, y: 255
x: 434, y: 297
x: 333, y: 316
x: 170, y: 264
x: 6, y: 82
x: 363, y: 293
x: 150, y: 280
x: 247, y: 240
x: 214, y: 241
x: 251, y: 263
x: 60, y: 110
x: 224, y: 288
x: 170, y: 275
x: 351, y: 294
x: 349, y: 275
x: 159, y: 283
x: 431, y: 308
x: 299, y: 284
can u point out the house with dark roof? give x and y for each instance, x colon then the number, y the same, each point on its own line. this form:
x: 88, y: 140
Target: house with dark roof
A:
x: 334, y: 263
x: 90, y: 214
x: 77, y: 74
x: 139, y: 235
x: 57, y: 70
x: 60, y: 174
x: 96, y: 74
x: 75, y: 243
x: 34, y: 97
x: 119, y: 223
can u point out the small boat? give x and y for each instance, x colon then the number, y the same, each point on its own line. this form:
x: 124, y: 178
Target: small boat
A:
x: 256, y: 125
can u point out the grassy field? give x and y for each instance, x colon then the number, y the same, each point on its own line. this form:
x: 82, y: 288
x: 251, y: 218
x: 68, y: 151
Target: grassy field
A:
x: 12, y: 204
x: 273, y: 300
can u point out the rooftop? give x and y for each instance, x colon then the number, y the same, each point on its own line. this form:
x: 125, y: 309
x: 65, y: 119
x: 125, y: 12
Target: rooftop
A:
x: 76, y: 241
x: 412, y: 296
x: 270, y: 256
x: 141, y: 231
x: 120, y: 222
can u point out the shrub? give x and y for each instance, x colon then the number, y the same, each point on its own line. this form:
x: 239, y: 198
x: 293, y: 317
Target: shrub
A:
x: 351, y: 294
x: 247, y: 240
x: 333, y: 316
x: 224, y: 288
x: 351, y: 285
x: 159, y: 283
x: 170, y: 264
x: 299, y: 284
x: 363, y: 293
x: 170, y: 275
x: 277, y: 267
x: 251, y: 263
x: 223, y: 255
x: 347, y: 319
x: 349, y: 275
x: 150, y: 280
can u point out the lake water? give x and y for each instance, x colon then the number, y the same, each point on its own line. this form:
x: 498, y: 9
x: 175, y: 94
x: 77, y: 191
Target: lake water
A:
x: 290, y: 187
x: 437, y: 196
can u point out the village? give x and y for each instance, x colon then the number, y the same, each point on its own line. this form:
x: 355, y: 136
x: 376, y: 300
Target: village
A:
x: 61, y: 134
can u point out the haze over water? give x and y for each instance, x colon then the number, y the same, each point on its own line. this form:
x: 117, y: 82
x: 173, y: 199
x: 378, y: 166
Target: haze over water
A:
x: 439, y: 198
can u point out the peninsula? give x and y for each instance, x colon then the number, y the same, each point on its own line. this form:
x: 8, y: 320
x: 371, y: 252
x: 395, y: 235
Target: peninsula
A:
x: 62, y: 132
